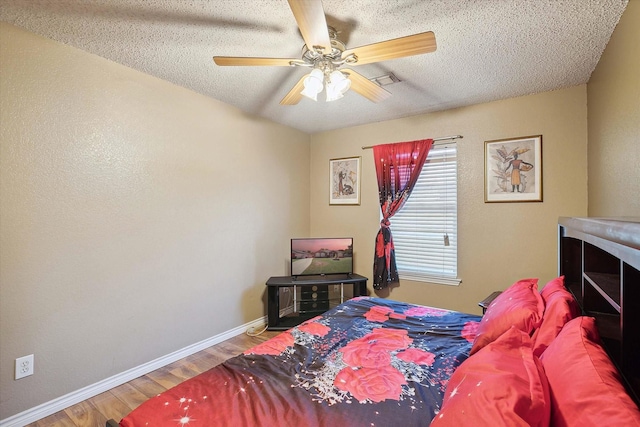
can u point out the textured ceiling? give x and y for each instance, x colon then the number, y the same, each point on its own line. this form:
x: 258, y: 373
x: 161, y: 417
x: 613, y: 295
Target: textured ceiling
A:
x: 487, y: 50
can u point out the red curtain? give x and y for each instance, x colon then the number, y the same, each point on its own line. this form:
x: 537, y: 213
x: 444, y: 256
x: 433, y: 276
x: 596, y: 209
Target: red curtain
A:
x: 398, y: 167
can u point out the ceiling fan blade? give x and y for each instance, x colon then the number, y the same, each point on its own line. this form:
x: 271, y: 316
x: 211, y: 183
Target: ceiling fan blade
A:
x: 310, y: 17
x: 294, y: 96
x: 365, y: 87
x: 392, y: 49
x: 238, y: 60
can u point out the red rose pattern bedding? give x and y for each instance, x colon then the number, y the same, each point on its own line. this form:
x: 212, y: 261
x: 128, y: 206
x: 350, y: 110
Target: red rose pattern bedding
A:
x: 367, y: 362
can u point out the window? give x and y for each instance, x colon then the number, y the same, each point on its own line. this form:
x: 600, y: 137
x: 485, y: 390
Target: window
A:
x: 425, y: 230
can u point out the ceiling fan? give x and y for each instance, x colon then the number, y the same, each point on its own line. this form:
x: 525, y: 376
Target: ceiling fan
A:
x: 326, y: 54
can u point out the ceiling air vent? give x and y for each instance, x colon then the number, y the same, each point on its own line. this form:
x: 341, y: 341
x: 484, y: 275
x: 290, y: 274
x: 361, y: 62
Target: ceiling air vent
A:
x: 386, y: 80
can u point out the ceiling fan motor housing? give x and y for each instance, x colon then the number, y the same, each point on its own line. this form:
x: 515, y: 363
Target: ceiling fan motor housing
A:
x: 315, y: 57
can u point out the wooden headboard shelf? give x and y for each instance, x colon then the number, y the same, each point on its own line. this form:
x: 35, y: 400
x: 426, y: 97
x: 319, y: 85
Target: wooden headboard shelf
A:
x: 600, y: 259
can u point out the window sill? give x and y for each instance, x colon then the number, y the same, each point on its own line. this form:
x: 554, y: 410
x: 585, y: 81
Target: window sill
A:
x: 449, y: 281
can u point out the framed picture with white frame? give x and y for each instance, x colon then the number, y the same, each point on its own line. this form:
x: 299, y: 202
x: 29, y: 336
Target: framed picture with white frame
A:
x: 513, y: 170
x: 344, y: 181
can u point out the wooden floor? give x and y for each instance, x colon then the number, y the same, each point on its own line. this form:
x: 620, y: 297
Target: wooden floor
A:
x: 119, y: 401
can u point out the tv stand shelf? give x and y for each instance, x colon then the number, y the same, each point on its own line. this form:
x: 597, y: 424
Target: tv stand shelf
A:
x: 310, y: 297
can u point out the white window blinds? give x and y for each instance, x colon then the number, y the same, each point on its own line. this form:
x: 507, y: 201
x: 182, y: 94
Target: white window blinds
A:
x: 425, y: 231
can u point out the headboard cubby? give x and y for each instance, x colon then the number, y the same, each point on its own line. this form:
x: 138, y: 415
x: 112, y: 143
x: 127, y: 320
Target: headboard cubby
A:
x: 600, y: 259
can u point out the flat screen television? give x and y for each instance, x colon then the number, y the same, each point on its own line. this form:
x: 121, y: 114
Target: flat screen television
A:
x: 321, y: 256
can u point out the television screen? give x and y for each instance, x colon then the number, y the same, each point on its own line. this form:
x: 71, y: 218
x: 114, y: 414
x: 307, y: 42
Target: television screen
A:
x: 321, y: 256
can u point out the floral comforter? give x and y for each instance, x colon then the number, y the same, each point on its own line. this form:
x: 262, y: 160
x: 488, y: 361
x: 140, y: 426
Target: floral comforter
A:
x: 367, y: 362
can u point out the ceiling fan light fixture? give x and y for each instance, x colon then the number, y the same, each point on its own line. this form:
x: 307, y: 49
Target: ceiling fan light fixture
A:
x: 313, y: 84
x: 333, y: 93
x: 309, y: 94
x: 340, y: 81
x: 337, y: 85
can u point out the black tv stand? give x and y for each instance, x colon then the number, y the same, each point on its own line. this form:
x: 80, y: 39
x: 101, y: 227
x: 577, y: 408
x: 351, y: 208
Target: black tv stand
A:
x: 322, y: 277
x: 313, y: 297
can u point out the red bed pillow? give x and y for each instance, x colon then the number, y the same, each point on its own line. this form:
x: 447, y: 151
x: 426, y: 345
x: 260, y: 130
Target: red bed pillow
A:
x: 502, y: 385
x: 519, y: 305
x: 560, y: 307
x: 552, y: 286
x: 585, y: 385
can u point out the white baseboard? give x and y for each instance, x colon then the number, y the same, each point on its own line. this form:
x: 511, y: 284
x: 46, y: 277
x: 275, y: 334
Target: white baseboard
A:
x: 70, y: 399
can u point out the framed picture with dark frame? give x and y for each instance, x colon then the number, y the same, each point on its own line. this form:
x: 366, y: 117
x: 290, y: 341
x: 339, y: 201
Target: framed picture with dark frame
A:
x: 513, y: 170
x: 344, y: 181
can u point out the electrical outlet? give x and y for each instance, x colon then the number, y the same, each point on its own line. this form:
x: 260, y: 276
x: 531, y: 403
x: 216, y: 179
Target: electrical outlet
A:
x: 24, y: 366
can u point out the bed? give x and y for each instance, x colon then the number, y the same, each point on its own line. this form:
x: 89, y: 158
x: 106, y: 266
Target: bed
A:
x: 365, y: 361
x: 534, y: 358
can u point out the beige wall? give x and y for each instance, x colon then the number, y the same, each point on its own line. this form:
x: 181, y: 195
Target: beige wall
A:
x: 498, y: 243
x: 136, y: 217
x: 613, y: 94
